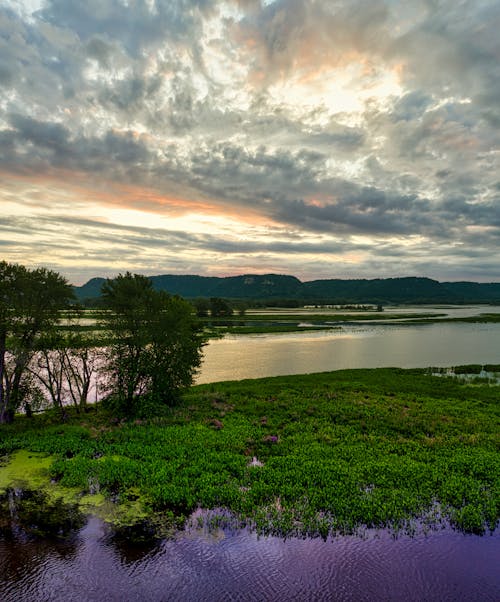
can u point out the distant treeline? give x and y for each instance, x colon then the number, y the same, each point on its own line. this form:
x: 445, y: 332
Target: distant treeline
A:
x: 288, y: 291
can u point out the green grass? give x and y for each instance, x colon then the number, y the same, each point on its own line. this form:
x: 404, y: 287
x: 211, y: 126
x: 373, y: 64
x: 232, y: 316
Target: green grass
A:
x: 338, y: 451
x: 479, y: 319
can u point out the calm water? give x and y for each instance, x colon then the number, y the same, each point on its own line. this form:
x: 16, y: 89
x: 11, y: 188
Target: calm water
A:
x: 238, y: 565
x: 354, y: 346
x: 448, y: 311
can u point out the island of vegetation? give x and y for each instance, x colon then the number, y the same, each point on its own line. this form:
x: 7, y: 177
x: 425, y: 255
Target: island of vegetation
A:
x: 314, y: 455
x: 304, y: 455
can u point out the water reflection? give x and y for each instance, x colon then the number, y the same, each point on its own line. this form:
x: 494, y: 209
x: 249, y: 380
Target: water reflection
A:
x: 26, y: 514
x: 356, y: 346
x: 443, y: 565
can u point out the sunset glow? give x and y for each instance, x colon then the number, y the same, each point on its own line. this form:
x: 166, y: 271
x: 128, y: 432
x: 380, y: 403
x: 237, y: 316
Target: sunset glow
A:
x: 319, y: 139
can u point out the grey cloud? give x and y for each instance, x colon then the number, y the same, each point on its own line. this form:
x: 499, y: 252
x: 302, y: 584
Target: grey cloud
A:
x: 283, y: 131
x: 233, y: 172
x: 370, y: 211
x: 130, y: 94
x: 65, y: 150
x: 411, y: 106
x: 6, y: 76
x: 44, y: 64
x: 46, y: 134
x: 456, y: 48
x: 135, y: 26
x: 101, y: 51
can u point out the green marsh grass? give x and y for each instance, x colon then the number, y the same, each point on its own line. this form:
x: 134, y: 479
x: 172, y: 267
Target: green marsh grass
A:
x: 308, y: 455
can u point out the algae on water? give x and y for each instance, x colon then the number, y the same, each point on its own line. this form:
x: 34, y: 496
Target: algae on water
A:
x: 25, y: 469
x: 26, y: 476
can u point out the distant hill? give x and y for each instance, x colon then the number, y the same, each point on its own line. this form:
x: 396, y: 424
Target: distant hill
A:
x: 90, y: 290
x: 269, y: 287
x: 474, y: 292
x: 234, y: 287
x: 388, y: 290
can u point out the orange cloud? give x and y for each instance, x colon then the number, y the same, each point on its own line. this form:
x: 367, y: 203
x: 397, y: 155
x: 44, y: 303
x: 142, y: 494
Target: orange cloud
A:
x: 73, y: 186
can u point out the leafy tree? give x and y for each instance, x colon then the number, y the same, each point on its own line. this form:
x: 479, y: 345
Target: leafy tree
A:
x: 47, y: 367
x: 220, y: 308
x: 30, y: 304
x: 202, y: 307
x: 155, y: 344
x: 241, y: 307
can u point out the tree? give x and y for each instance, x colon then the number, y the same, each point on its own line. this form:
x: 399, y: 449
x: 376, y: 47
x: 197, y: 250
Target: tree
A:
x: 30, y: 304
x: 241, y: 307
x: 66, y: 368
x: 82, y: 359
x: 155, y: 343
x: 47, y: 367
x: 202, y: 307
x: 220, y: 308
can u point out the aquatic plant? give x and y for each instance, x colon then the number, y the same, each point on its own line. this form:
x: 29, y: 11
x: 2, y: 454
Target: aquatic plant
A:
x: 335, y: 451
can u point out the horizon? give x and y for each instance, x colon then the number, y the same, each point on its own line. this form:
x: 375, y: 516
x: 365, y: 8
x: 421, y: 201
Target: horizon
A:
x: 250, y: 274
x: 349, y: 140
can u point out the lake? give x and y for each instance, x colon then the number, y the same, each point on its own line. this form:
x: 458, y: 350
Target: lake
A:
x: 351, y: 346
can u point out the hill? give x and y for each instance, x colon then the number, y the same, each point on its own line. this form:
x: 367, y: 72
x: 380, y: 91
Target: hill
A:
x: 279, y: 288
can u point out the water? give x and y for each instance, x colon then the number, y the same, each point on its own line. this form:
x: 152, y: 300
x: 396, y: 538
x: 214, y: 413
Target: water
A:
x: 354, y: 346
x: 223, y: 566
x: 445, y: 311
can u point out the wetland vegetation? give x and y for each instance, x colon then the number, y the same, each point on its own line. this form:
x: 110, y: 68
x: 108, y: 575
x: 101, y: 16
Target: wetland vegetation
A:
x: 308, y: 455
x: 277, y: 321
x: 305, y: 455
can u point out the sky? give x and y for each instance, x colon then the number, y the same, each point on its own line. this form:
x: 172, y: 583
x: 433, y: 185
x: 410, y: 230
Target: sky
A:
x: 318, y: 138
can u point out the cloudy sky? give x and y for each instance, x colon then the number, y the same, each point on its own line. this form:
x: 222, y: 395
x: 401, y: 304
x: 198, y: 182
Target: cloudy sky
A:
x: 319, y: 138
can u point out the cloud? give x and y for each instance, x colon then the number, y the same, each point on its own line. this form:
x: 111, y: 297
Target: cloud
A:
x: 136, y: 26
x: 39, y: 144
x: 287, y: 36
x: 325, y: 120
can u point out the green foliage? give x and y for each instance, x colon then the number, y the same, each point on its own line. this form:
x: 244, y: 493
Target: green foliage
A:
x: 287, y: 291
x: 30, y: 302
x: 155, y: 345
x: 306, y: 454
x: 220, y: 308
x: 202, y: 307
x: 468, y: 369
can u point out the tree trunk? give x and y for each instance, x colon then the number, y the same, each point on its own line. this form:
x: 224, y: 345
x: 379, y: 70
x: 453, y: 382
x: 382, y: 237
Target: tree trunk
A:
x: 16, y: 396
x: 3, y: 389
x: 27, y: 410
x: 6, y: 411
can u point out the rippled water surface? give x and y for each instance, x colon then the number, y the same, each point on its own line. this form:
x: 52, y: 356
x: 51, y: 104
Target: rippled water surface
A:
x: 443, y: 565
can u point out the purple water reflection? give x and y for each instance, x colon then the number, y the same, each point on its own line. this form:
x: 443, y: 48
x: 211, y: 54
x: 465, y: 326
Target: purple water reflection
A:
x: 221, y: 566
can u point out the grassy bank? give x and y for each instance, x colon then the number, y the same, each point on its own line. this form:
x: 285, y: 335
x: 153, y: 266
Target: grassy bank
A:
x: 303, y: 454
